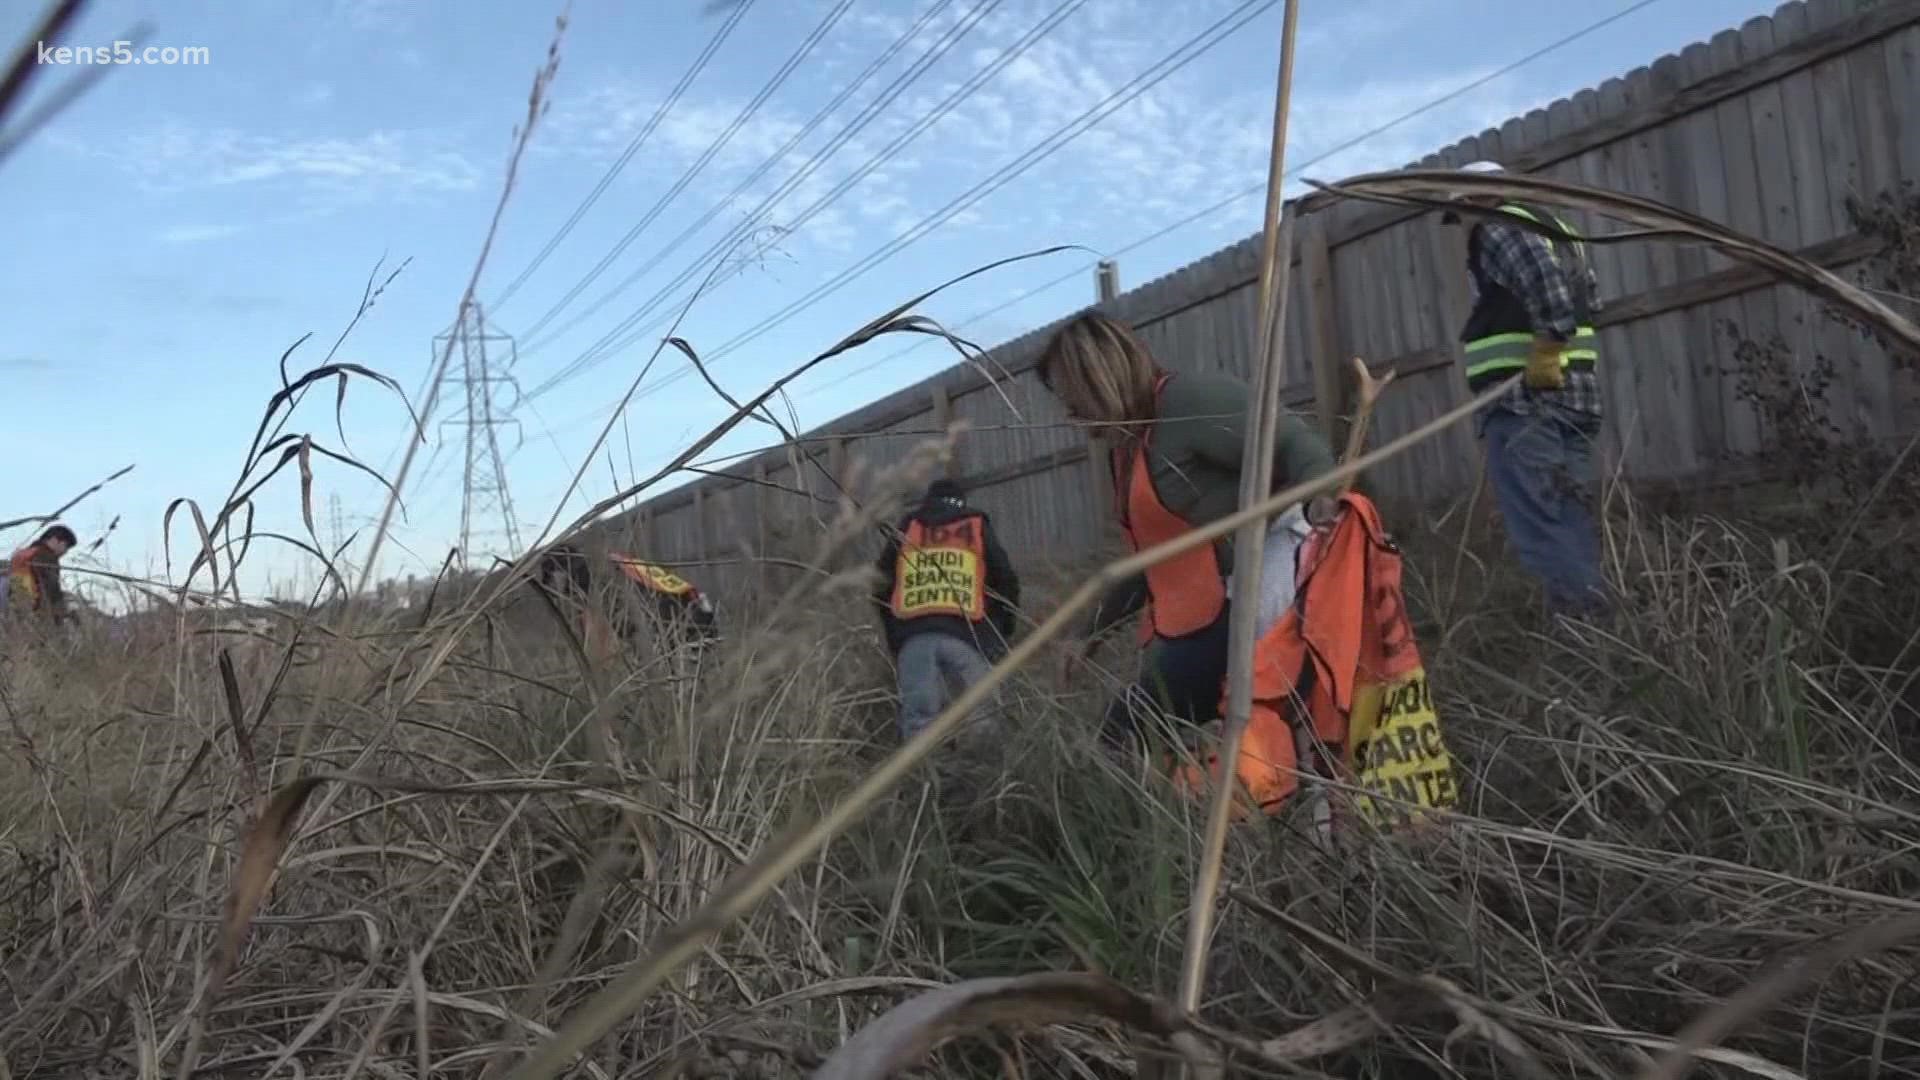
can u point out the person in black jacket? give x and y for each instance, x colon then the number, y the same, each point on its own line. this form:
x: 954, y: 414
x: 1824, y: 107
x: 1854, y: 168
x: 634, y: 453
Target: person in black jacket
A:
x: 947, y: 599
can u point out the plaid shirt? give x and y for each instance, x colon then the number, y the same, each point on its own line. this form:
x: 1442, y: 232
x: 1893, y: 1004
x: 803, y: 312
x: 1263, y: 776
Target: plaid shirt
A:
x: 1521, y: 261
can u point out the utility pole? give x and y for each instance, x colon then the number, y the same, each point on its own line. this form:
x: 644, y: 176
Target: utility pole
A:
x: 486, y: 509
x: 1106, y: 280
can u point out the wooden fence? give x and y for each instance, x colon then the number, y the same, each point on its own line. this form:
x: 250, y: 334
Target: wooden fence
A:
x: 1768, y: 128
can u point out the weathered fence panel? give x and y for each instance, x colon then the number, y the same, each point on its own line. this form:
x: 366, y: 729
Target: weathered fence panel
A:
x: 1770, y: 128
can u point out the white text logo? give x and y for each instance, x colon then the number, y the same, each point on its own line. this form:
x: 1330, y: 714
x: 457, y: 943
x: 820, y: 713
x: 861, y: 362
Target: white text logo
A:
x: 123, y: 52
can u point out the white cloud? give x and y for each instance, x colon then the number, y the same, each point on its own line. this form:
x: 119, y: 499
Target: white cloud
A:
x: 331, y: 171
x: 194, y: 234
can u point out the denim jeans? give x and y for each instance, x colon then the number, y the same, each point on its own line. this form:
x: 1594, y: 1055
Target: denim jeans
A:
x: 1541, y: 467
x: 934, y: 669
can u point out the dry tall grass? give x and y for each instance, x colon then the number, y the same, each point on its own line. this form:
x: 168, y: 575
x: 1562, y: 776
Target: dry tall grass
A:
x: 421, y: 845
x: 1661, y: 812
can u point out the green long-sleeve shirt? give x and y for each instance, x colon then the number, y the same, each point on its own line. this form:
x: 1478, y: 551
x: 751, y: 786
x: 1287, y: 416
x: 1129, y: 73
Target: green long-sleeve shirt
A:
x: 1194, y: 458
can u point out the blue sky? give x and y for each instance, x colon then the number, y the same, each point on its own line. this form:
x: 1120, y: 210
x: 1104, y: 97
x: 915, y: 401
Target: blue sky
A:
x: 181, y: 226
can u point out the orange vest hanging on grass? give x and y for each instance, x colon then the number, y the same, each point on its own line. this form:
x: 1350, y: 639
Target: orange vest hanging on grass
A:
x: 1339, y: 680
x: 1186, y: 593
x: 942, y: 570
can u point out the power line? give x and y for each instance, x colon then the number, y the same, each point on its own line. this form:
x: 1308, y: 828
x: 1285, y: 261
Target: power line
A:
x: 1186, y: 53
x: 1257, y: 188
x: 1208, y: 211
x: 765, y: 166
x: 773, y: 84
x: 1055, y: 283
x: 673, y: 97
x: 600, y: 349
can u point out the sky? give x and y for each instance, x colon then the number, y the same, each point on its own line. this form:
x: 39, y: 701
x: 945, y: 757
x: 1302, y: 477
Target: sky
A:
x: 180, y: 227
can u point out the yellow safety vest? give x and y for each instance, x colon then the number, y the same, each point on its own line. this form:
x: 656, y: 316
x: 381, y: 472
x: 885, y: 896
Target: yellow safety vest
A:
x: 1507, y: 337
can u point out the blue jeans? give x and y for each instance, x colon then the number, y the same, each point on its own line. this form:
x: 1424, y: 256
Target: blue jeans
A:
x: 1541, y: 467
x: 934, y: 669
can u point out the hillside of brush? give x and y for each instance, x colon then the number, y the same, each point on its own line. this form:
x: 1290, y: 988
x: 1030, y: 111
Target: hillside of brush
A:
x: 1714, y: 790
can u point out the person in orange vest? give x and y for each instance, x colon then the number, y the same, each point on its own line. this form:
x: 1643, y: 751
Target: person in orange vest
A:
x: 1175, y: 443
x: 33, y: 575
x: 946, y: 598
x: 685, y: 614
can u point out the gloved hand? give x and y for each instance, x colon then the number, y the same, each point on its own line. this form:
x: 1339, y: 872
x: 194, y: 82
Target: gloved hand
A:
x: 1543, y: 365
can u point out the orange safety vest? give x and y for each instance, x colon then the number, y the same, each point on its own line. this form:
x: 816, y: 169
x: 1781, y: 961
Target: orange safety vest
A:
x: 22, y: 583
x: 942, y: 570
x: 657, y: 578
x: 1186, y: 593
x: 1339, y: 680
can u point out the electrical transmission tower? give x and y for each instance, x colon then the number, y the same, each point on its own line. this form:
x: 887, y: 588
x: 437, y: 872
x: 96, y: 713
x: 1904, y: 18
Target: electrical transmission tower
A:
x: 486, y: 509
x: 336, y: 523
x: 337, y: 535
